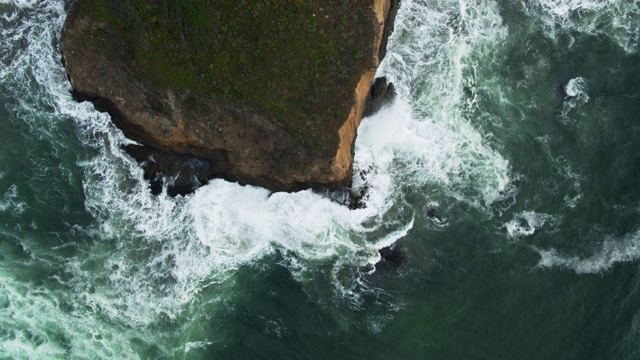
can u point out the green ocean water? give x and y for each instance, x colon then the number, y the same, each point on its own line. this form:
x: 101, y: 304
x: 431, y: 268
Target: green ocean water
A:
x: 516, y: 121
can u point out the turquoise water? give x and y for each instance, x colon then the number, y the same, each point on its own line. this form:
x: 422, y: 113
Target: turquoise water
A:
x: 516, y: 120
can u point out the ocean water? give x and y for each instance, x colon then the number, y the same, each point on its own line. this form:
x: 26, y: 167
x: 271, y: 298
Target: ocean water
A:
x: 516, y: 121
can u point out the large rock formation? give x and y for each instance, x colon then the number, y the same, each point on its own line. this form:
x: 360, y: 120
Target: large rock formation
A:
x: 261, y: 92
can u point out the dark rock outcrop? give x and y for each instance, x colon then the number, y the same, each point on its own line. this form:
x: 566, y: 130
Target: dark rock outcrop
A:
x: 432, y: 212
x: 279, y: 107
x: 381, y: 94
x: 392, y: 259
x: 180, y: 173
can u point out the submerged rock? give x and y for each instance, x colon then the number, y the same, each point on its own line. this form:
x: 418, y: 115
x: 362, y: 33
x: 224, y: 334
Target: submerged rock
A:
x: 433, y: 212
x: 351, y: 198
x: 355, y: 195
x: 260, y: 92
x: 561, y: 90
x: 393, y: 258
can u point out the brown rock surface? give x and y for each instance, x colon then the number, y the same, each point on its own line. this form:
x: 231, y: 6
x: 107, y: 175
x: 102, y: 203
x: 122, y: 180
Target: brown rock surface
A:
x: 234, y: 137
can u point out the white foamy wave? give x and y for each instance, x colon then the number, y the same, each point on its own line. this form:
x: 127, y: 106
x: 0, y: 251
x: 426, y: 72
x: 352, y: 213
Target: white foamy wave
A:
x: 576, y: 95
x: 614, y: 18
x: 527, y: 222
x: 433, y: 140
x: 613, y: 250
x: 196, y: 345
x: 10, y: 201
x: 34, y: 320
x: 239, y: 223
x: 577, y: 88
x: 32, y: 65
x: 20, y: 3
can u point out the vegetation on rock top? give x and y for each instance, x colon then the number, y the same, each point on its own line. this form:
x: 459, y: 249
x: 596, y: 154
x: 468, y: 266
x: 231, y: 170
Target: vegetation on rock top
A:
x: 300, y: 60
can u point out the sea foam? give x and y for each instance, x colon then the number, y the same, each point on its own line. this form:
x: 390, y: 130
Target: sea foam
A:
x: 612, y: 251
x: 613, y: 18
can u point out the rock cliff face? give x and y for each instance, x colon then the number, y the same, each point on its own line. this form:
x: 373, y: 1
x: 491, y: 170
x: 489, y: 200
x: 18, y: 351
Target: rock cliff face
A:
x: 262, y: 92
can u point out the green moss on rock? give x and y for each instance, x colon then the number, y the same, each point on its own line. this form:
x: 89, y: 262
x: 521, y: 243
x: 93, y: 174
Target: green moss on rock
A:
x: 300, y: 60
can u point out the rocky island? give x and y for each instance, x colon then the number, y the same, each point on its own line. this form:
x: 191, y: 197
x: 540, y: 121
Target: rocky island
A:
x: 262, y: 92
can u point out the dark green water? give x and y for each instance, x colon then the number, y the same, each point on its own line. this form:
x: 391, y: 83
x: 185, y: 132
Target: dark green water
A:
x: 517, y: 120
